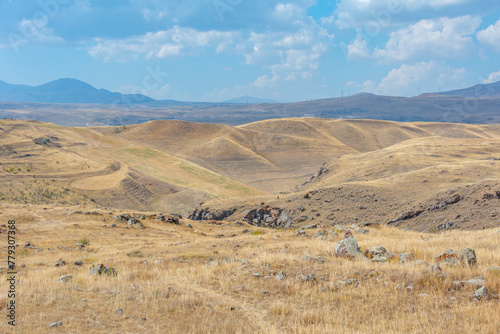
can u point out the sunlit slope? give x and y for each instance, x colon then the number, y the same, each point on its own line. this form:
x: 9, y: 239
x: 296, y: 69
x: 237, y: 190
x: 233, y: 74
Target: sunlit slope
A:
x: 275, y: 155
x: 105, y: 169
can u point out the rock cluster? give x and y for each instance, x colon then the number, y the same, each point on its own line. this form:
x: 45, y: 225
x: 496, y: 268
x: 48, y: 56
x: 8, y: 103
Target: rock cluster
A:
x: 269, y: 217
x: 129, y: 220
x: 102, y: 270
x: 206, y: 214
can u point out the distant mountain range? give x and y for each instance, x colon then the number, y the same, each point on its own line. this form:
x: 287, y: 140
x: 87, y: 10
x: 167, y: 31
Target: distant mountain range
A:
x: 66, y: 91
x: 74, y: 103
x: 249, y: 100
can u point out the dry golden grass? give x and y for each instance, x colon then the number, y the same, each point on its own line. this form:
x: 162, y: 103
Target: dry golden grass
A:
x: 182, y: 294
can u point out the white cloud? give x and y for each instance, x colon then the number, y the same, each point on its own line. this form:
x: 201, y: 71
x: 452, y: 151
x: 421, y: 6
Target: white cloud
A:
x: 490, y: 36
x: 162, y: 44
x: 358, y: 49
x: 443, y: 38
x: 493, y: 77
x: 407, y: 79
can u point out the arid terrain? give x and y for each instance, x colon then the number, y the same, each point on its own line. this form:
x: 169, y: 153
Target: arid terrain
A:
x: 214, y: 228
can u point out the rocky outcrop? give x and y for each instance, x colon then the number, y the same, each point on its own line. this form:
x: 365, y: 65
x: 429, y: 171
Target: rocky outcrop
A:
x: 269, y: 217
x: 206, y: 214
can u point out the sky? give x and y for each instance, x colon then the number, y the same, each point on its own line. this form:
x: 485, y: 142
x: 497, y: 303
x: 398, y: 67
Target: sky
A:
x: 215, y: 50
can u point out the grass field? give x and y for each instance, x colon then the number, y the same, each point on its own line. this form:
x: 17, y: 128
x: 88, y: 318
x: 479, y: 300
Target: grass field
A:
x: 168, y: 280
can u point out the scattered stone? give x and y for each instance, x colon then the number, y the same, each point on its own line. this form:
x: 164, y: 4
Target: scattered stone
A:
x: 377, y: 250
x: 189, y: 225
x: 65, y: 278
x: 410, y: 287
x: 319, y: 259
x: 338, y: 228
x: 102, y: 270
x: 78, y: 263
x: 363, y: 231
x: 80, y: 245
x: 309, y: 277
x: 119, y: 311
x: 481, y: 293
x: 310, y: 226
x: 60, y: 263
x: 475, y: 282
x: 352, y: 281
x: 281, y: 276
x: 56, y: 324
x: 256, y: 274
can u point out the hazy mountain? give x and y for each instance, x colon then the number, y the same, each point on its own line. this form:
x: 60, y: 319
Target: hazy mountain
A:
x: 66, y: 91
x: 249, y: 100
x: 483, y: 90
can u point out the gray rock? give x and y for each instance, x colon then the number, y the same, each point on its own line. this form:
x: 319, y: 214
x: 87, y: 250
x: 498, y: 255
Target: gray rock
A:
x: 474, y: 283
x: 119, y: 311
x: 449, y: 258
x: 363, y: 231
x: 60, y: 263
x: 310, y: 226
x: 281, y: 276
x: 213, y: 263
x: 309, y: 277
x: 65, y: 278
x: 79, y: 263
x: 102, y: 270
x: 55, y: 324
x: 377, y: 250
x: 481, y: 293
x: 468, y: 257
x: 379, y: 258
x: 348, y: 248
x: 405, y: 257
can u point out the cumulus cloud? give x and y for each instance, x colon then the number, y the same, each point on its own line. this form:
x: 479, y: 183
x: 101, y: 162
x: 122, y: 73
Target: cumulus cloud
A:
x: 490, y: 36
x: 162, y: 44
x: 492, y: 78
x: 358, y: 49
x: 443, y: 38
x: 407, y: 79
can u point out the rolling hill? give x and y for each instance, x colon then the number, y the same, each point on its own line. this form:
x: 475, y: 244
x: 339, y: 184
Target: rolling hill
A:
x: 355, y: 170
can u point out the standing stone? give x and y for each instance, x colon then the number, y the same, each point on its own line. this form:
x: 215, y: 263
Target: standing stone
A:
x: 348, y: 248
x: 468, y: 256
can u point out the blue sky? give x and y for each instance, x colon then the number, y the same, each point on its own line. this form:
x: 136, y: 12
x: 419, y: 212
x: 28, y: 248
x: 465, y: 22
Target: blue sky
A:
x: 214, y: 50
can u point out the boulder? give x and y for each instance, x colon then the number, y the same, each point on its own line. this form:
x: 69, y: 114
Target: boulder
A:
x: 377, y: 250
x: 468, y: 256
x: 348, y: 248
x: 449, y: 257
